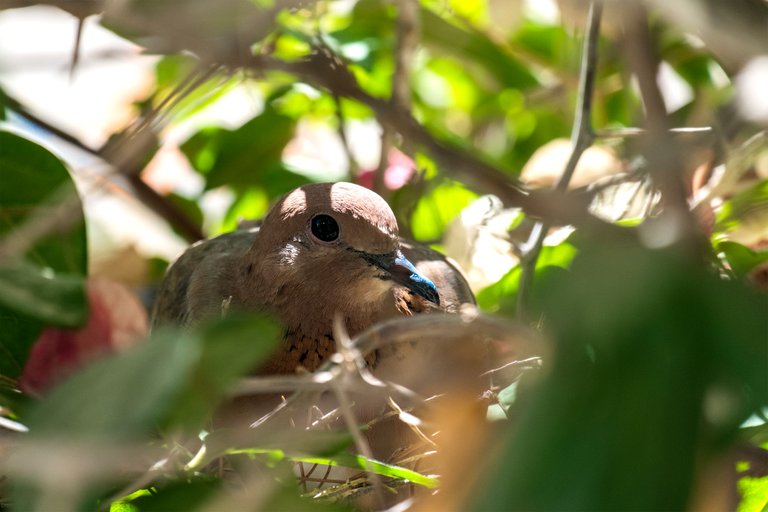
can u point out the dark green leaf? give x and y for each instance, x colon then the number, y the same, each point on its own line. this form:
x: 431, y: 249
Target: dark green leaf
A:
x: 56, y: 299
x: 120, y: 397
x: 35, y: 186
x: 34, y: 182
x: 176, y: 378
x: 642, y: 338
x: 471, y: 46
x: 176, y: 496
x: 741, y: 259
x: 242, y: 157
x: 230, y: 348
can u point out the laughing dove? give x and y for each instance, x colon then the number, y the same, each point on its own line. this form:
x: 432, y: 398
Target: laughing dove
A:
x: 322, y: 249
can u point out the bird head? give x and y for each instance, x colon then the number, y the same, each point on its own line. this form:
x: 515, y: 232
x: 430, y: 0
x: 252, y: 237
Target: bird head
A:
x: 335, y: 245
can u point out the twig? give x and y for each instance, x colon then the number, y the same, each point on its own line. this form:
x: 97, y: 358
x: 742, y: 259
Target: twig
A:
x: 582, y: 137
x: 676, y: 223
x: 341, y: 130
x: 351, y: 358
x: 149, y: 196
x: 76, y: 49
x: 626, y: 133
x: 327, y: 70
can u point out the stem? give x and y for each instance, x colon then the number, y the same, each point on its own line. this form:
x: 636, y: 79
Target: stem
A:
x: 582, y: 137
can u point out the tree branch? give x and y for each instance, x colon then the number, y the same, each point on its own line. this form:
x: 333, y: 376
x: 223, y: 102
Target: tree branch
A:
x: 582, y: 136
x: 327, y: 70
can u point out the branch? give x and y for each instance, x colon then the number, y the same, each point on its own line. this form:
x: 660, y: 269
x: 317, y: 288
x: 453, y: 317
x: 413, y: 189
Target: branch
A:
x: 582, y: 136
x: 149, y: 196
x: 675, y: 224
x: 327, y: 70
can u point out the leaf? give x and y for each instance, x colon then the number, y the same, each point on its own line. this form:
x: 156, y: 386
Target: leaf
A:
x: 349, y: 460
x: 741, y: 259
x: 643, y: 340
x: 230, y: 348
x: 435, y: 210
x: 501, y: 297
x: 752, y: 204
x: 241, y: 157
x: 471, y: 45
x: 52, y: 299
x: 34, y: 181
x: 180, y: 495
x: 33, y: 185
x: 121, y: 397
x: 754, y: 494
x: 174, y: 379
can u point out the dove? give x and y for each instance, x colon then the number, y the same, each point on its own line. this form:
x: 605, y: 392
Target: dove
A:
x: 322, y: 249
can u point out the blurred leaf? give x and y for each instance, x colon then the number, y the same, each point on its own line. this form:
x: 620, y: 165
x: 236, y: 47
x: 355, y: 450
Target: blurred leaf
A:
x: 252, y: 203
x: 175, y: 496
x: 435, y: 210
x: 350, y: 460
x: 550, y: 42
x: 754, y: 494
x: 752, y: 204
x: 501, y: 297
x: 176, y: 378
x: 53, y: 299
x: 230, y: 349
x: 3, y: 103
x: 93, y: 404
x: 245, y: 156
x: 172, y: 70
x: 643, y: 339
x: 189, y: 207
x: 472, y: 46
x: 34, y: 181
x: 34, y: 184
x: 741, y: 259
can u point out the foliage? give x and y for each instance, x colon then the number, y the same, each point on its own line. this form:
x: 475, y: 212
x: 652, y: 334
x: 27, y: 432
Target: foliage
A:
x: 658, y: 327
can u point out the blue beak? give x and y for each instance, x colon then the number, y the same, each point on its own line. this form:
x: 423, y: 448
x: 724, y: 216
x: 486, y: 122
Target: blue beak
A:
x: 400, y: 270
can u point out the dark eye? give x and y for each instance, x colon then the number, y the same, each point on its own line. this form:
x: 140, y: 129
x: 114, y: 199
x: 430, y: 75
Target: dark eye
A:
x: 325, y: 228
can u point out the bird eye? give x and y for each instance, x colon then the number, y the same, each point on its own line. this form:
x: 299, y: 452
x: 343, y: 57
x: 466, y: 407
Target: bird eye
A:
x: 325, y: 228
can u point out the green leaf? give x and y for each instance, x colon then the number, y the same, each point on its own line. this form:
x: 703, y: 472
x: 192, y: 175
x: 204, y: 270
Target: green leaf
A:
x: 754, y: 494
x: 642, y: 339
x: 748, y: 206
x: 121, y: 397
x: 181, y: 496
x: 176, y: 378
x: 741, y: 259
x: 243, y: 157
x: 34, y: 182
x: 36, y: 187
x: 437, y: 209
x: 501, y: 297
x: 349, y: 460
x: 472, y: 46
x: 57, y: 299
x: 231, y: 348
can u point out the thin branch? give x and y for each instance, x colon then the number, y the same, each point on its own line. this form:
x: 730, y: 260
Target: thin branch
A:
x: 676, y: 222
x: 626, y: 133
x: 582, y: 136
x: 149, y: 196
x: 327, y: 70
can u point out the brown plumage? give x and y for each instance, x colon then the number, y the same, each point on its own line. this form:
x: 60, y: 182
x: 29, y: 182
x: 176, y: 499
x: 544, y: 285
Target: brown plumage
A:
x: 321, y: 249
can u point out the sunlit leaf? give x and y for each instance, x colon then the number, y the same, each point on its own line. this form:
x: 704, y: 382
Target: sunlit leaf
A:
x: 435, y: 210
x: 242, y: 157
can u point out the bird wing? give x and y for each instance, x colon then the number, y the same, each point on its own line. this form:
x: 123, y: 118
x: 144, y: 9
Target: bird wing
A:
x: 197, y: 283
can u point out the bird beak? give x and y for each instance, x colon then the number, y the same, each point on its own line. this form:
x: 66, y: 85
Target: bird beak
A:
x: 402, y: 271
